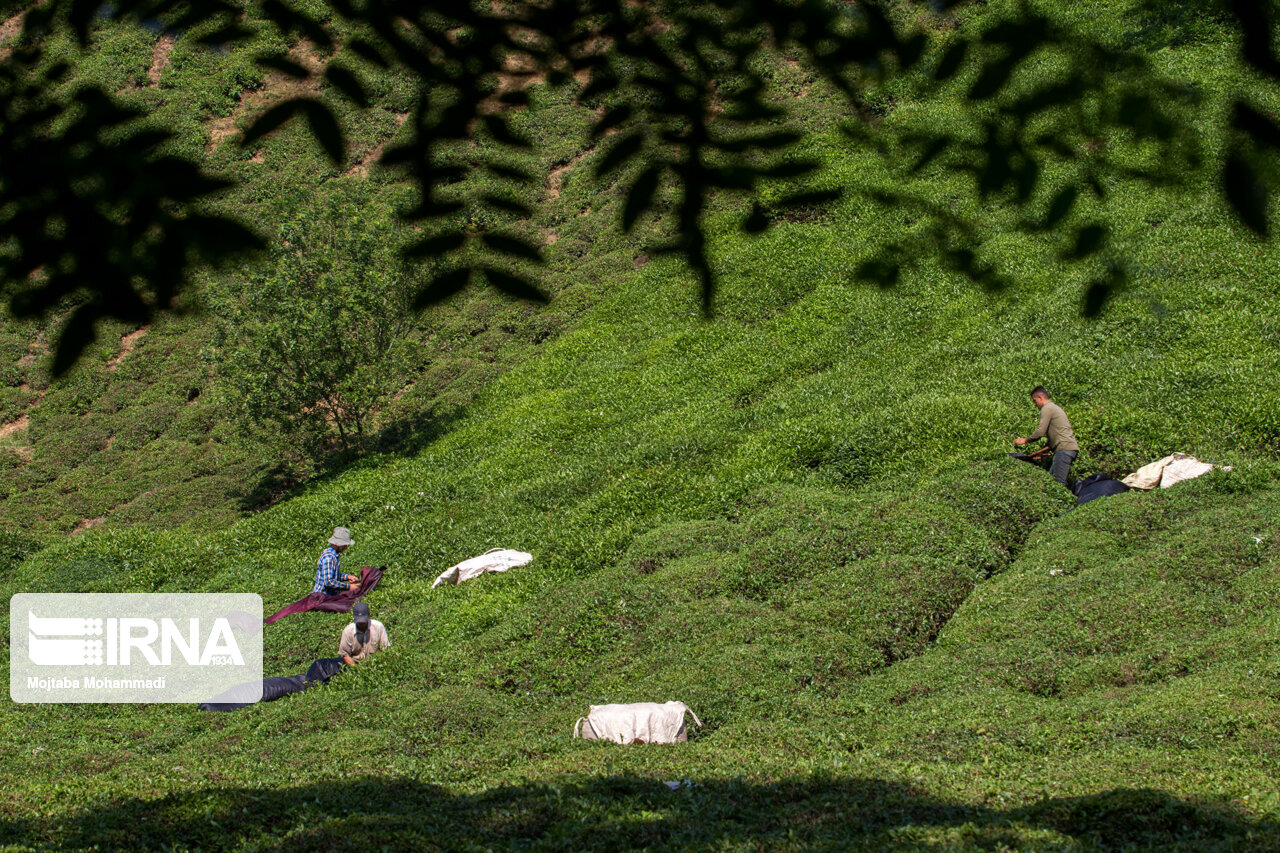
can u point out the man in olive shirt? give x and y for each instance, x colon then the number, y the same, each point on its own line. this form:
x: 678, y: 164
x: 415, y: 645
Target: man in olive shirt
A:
x: 1055, y: 427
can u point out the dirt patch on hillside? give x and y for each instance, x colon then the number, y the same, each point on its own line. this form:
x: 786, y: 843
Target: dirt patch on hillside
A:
x: 804, y: 87
x: 13, y: 430
x: 221, y: 129
x: 36, y: 350
x: 127, y: 344
x: 9, y: 32
x: 555, y: 179
x: 519, y: 71
x: 276, y: 86
x: 12, y: 26
x: 557, y: 175
x: 160, y: 57
x: 14, y: 427
x: 85, y: 524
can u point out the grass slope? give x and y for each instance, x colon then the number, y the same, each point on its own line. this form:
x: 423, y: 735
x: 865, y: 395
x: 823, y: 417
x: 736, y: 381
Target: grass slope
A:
x: 799, y: 520
x: 137, y: 432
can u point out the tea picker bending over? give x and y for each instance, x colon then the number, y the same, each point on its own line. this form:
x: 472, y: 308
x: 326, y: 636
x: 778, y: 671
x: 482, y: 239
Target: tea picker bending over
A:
x: 1057, y: 429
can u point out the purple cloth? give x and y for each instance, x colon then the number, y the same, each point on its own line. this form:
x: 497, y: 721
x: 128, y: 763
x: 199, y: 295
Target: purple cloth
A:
x: 337, y: 603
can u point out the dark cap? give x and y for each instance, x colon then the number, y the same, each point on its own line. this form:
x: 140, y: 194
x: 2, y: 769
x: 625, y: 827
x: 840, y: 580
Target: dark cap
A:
x: 360, y: 612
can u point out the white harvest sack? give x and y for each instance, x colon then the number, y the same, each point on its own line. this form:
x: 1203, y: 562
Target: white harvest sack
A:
x: 642, y: 722
x: 1168, y: 471
x: 493, y: 560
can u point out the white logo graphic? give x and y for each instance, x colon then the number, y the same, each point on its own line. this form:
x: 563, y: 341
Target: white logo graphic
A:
x: 50, y: 644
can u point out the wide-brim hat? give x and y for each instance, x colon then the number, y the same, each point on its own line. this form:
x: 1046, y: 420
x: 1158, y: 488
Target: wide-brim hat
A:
x: 341, y: 536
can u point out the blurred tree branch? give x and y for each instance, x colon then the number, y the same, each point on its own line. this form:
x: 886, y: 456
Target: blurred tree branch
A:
x: 89, y: 206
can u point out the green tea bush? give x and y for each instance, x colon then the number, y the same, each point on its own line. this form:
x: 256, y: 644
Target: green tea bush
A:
x: 798, y: 518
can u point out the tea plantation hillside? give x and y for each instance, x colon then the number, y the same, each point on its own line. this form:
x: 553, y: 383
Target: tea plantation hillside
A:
x: 803, y: 526
x: 140, y: 431
x: 797, y: 518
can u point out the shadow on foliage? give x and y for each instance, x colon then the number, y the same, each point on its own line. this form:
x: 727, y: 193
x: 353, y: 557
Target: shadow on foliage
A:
x: 405, y: 437
x: 1158, y: 25
x: 628, y: 812
x: 1047, y: 118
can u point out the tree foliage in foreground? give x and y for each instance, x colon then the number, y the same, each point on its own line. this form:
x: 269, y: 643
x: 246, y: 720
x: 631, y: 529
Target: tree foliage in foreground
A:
x: 1042, y: 118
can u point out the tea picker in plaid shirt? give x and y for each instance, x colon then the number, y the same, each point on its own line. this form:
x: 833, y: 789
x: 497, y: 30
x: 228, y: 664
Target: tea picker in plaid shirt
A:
x: 329, y: 579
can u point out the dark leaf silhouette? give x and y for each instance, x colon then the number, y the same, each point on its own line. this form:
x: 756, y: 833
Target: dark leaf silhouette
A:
x: 437, y: 245
x: 369, y: 52
x: 1060, y: 207
x: 1246, y: 193
x: 95, y: 214
x: 757, y: 221
x: 1259, y: 127
x: 513, y: 246
x: 640, y: 196
x: 284, y: 65
x: 507, y: 205
x: 951, y: 61
x: 682, y: 106
x: 879, y: 271
x: 76, y: 334
x: 1089, y: 239
x: 1256, y: 24
x: 1049, y: 96
x: 217, y: 238
x: 441, y: 287
x: 1095, y: 297
x: 502, y: 132
x: 347, y: 83
x: 613, y: 117
x: 514, y: 285
x: 325, y: 129
x: 810, y: 198
x: 994, y: 75
x: 225, y: 35
x: 291, y: 20
x: 270, y: 120
x: 600, y: 84
x: 623, y: 150
x: 511, y: 173
x: 931, y: 152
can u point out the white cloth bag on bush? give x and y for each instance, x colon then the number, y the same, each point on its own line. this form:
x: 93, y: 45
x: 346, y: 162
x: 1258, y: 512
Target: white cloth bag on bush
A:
x: 642, y: 722
x: 1172, y: 469
x: 493, y: 560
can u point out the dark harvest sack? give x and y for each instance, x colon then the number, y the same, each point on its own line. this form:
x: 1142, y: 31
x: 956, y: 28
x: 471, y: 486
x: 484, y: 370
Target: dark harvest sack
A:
x: 273, y: 688
x: 1097, y: 486
x: 323, y: 669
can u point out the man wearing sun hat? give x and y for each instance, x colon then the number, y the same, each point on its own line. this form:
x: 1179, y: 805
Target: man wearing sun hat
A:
x: 329, y: 578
